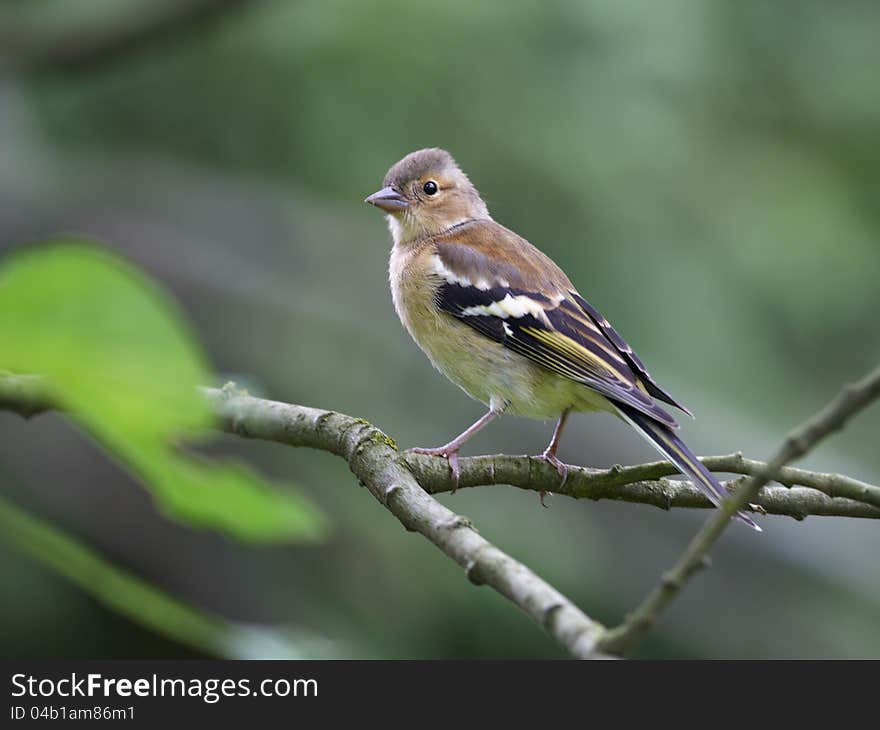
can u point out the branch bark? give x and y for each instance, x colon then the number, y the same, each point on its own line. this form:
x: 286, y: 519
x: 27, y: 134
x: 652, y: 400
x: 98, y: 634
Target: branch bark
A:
x: 805, y: 492
x: 833, y: 417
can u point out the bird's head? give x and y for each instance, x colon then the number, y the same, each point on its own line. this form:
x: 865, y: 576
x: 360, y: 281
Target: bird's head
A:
x: 426, y: 193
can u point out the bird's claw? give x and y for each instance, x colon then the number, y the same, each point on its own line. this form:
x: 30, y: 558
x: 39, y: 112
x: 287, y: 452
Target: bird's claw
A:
x: 554, y: 461
x: 451, y: 455
x: 561, y: 469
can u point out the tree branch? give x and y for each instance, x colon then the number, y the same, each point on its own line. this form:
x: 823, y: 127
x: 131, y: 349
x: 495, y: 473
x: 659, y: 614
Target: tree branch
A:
x: 373, y: 458
x: 828, y: 494
x: 26, y: 395
x: 403, y: 482
x: 831, y: 495
x: 833, y: 417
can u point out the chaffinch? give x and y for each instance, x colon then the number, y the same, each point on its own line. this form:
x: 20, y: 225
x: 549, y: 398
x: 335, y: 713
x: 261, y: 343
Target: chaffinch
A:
x: 502, y: 321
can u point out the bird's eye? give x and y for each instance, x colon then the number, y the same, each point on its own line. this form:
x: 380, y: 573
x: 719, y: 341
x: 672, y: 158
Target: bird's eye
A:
x: 430, y: 188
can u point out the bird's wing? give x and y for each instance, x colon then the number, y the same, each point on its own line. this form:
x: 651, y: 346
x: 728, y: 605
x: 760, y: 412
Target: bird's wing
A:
x: 503, y: 287
x: 626, y: 350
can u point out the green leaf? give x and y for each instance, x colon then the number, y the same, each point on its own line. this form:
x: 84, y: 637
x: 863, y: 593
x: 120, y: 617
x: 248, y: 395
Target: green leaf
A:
x: 123, y: 364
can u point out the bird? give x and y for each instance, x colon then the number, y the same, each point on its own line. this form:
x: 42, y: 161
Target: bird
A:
x: 502, y: 321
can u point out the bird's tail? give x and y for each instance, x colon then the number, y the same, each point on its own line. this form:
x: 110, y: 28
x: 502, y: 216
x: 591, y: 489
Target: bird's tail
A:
x: 674, y: 449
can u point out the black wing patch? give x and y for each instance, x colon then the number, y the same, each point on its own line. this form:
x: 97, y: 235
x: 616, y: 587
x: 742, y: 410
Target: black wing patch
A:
x: 562, y: 338
x: 624, y: 348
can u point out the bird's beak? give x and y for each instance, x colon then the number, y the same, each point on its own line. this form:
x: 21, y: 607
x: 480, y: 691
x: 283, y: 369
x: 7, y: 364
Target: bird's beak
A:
x: 388, y: 199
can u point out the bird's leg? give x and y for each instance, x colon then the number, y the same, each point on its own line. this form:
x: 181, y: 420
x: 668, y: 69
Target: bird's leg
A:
x: 549, y: 454
x: 450, y: 451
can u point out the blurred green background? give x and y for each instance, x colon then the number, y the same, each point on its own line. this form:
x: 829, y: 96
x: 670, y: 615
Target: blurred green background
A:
x: 706, y: 172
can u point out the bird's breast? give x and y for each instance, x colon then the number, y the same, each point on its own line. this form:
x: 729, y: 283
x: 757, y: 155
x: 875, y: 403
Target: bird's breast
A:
x: 413, y: 290
x: 486, y: 370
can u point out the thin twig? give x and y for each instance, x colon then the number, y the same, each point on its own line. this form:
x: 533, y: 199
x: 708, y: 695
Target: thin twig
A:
x: 852, y: 399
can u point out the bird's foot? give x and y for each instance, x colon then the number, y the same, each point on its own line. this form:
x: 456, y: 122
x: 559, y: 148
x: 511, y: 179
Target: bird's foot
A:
x: 554, y: 461
x: 448, y: 453
x: 561, y: 469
